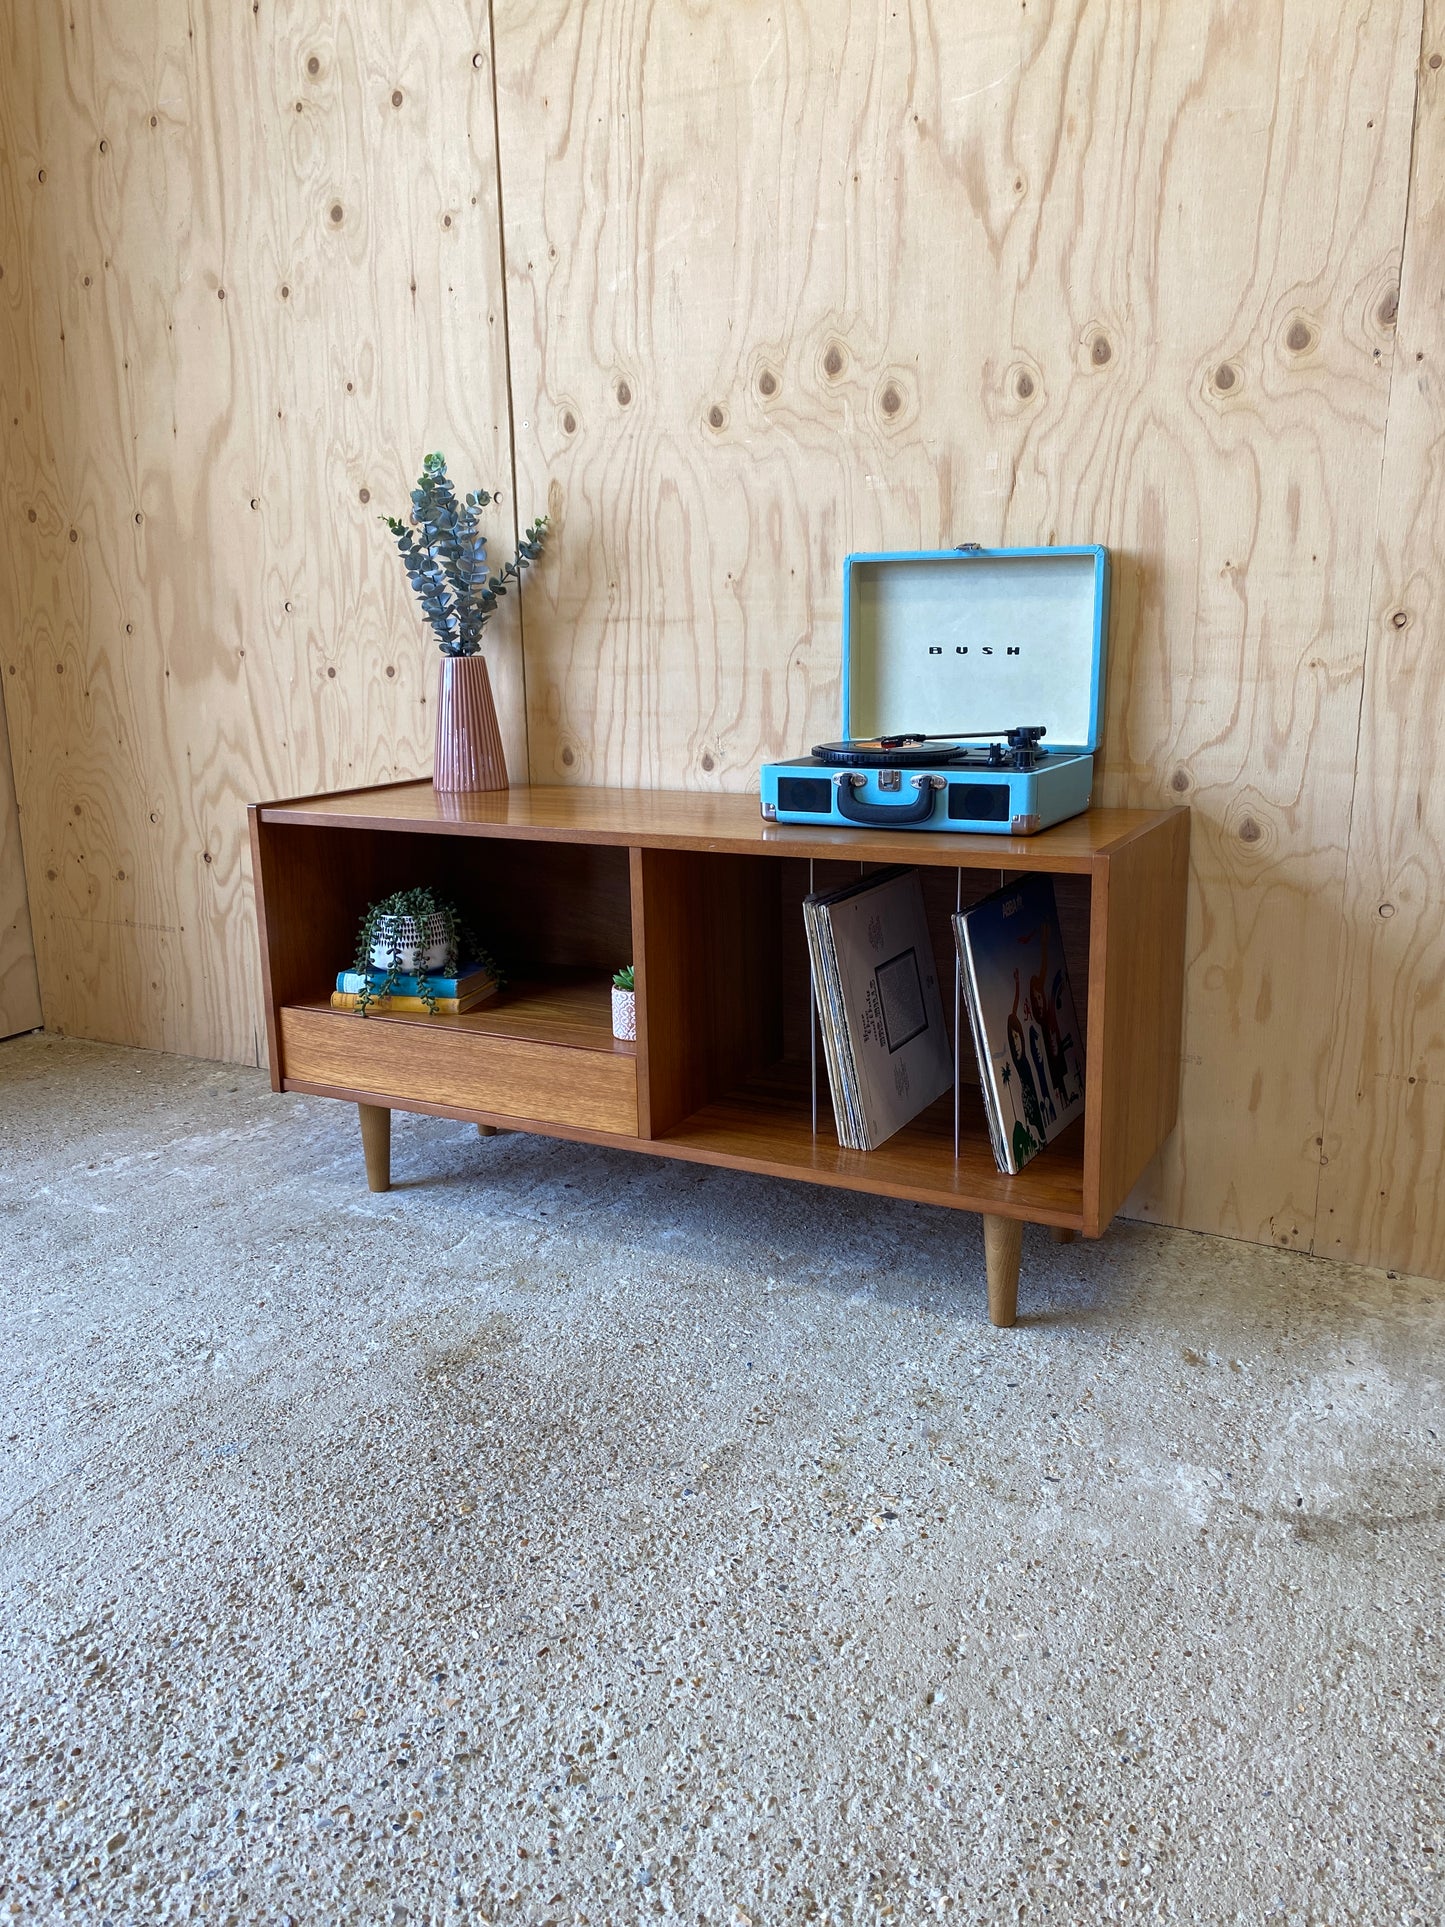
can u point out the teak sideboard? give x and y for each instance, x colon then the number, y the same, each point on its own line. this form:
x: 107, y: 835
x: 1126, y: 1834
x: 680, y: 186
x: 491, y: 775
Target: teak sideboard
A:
x: 566, y: 884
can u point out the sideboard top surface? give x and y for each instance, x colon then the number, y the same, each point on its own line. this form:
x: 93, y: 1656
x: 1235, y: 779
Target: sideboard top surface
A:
x: 703, y: 820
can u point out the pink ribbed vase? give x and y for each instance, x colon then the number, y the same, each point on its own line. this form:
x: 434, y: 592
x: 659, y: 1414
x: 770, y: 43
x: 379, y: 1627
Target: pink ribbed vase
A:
x: 469, y: 753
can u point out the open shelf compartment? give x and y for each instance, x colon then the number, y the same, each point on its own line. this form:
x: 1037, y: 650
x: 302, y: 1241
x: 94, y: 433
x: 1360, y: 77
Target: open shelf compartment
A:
x: 558, y: 919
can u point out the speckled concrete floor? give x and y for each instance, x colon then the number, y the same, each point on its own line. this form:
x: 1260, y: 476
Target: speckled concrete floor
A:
x: 574, y: 1537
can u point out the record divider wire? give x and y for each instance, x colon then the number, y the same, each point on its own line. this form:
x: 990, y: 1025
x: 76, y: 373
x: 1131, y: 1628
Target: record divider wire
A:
x: 957, y: 999
x: 812, y: 1017
x: 957, y: 1002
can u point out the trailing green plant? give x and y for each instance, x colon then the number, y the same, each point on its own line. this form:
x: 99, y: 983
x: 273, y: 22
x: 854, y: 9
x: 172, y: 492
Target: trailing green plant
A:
x: 623, y: 979
x: 445, y: 554
x: 384, y: 924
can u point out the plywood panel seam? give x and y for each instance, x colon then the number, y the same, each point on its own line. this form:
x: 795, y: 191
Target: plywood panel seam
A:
x: 507, y: 363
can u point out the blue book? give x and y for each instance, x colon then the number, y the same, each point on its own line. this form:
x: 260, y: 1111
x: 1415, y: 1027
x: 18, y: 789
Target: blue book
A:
x: 466, y: 982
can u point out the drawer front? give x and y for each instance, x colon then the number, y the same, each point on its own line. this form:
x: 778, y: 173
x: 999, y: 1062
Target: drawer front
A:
x: 596, y: 1090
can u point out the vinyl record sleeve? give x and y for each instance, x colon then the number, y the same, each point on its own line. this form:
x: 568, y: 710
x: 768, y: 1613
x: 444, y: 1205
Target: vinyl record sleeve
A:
x: 828, y: 1019
x: 1021, y: 1008
x: 893, y: 1046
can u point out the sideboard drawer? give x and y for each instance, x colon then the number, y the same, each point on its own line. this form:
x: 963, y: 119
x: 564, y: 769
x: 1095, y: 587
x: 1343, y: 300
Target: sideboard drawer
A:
x: 434, y: 1063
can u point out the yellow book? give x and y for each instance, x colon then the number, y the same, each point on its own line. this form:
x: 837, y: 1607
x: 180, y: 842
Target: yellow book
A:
x: 394, y: 1006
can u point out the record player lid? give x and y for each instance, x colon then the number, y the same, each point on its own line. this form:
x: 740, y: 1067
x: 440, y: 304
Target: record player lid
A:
x: 976, y: 637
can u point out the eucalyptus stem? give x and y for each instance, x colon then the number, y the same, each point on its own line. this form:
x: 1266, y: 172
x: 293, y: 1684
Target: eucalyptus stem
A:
x: 445, y: 556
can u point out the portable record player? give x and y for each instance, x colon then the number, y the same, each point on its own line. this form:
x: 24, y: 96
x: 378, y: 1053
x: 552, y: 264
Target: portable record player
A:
x: 1010, y: 638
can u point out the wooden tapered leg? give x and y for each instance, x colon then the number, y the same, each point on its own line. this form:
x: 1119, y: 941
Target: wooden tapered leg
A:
x: 376, y: 1143
x: 1003, y: 1240
x: 1061, y: 1235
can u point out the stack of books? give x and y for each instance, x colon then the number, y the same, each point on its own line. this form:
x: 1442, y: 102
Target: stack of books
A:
x: 1021, y: 1009
x: 876, y: 988
x: 360, y: 990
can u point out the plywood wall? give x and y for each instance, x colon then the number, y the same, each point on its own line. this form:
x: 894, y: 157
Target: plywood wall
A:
x: 792, y: 281
x: 779, y: 282
x: 19, y: 984
x: 251, y: 274
x: 1382, y: 1196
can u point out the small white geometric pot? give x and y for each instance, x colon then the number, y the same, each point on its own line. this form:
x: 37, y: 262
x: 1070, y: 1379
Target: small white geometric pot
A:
x: 624, y: 1013
x: 431, y: 948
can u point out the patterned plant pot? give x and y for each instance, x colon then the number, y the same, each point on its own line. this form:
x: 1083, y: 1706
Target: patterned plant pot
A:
x: 624, y: 1012
x: 416, y: 951
x: 469, y: 753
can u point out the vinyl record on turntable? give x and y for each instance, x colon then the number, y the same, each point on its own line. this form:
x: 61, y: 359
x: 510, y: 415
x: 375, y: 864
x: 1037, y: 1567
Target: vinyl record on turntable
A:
x: 887, y: 752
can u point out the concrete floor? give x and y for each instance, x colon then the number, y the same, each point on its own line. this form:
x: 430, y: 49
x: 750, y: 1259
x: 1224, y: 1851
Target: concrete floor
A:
x: 568, y: 1536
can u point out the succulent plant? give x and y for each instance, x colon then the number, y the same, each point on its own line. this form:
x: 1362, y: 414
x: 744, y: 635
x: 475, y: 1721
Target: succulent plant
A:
x: 445, y: 555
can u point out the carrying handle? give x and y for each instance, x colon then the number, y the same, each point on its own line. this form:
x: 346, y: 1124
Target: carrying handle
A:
x: 884, y: 816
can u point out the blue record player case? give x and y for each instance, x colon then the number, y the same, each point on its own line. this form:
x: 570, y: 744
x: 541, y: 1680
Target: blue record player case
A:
x: 970, y: 642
